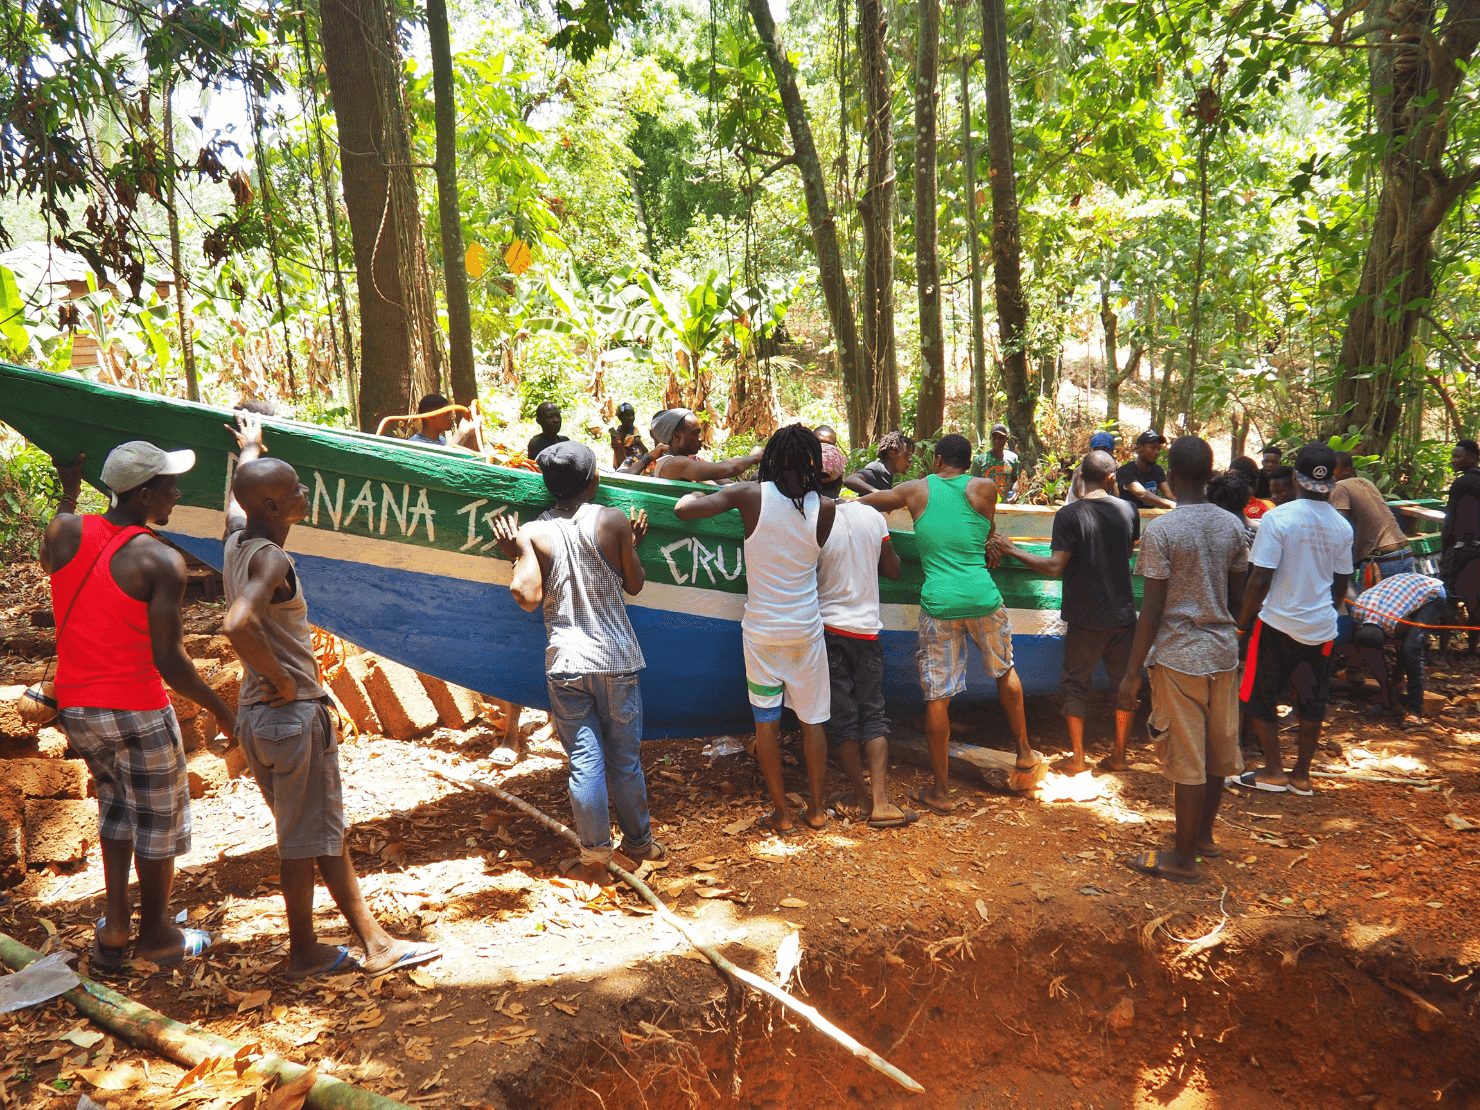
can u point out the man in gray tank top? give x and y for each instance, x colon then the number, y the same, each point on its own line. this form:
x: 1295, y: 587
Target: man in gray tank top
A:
x: 284, y: 722
x: 574, y: 561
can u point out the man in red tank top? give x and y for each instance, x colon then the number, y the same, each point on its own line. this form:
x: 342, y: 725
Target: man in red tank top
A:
x: 116, y: 593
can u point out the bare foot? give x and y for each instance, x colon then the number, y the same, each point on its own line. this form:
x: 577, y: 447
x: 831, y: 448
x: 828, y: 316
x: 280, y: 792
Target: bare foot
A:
x: 1112, y: 762
x: 321, y: 959
x: 1032, y: 761
x: 816, y: 821
x: 1074, y: 765
x: 402, y: 954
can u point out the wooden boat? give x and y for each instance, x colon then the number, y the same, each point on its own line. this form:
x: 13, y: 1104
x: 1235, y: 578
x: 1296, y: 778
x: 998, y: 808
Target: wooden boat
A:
x: 398, y: 556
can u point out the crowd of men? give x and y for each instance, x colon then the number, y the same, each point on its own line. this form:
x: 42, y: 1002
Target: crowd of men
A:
x: 1243, y: 587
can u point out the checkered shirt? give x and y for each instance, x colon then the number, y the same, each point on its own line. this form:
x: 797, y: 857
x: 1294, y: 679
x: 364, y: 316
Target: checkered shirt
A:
x: 1392, y: 599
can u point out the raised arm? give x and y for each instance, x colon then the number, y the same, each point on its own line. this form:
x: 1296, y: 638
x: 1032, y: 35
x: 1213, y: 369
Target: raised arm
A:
x: 1051, y: 565
x: 697, y: 506
x: 65, y: 520
x: 248, y: 433
x: 858, y: 484
x: 528, y: 583
x: 243, y: 626
x: 887, y: 500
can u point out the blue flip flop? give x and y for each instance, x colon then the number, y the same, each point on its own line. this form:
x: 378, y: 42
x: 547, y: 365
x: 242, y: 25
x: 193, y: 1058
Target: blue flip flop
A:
x: 421, y: 954
x: 105, y: 957
x: 194, y: 944
x: 338, y: 967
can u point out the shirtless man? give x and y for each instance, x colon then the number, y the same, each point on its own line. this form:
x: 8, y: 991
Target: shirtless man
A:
x: 284, y: 722
x: 681, y: 431
x: 787, y: 522
x: 112, y: 705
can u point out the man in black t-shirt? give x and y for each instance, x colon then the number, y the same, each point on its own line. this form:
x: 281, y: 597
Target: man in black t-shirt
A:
x: 895, y: 452
x: 1091, y: 551
x: 1142, y: 481
x: 1459, y: 562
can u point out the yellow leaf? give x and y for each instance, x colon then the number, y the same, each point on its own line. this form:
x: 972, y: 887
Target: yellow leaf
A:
x: 253, y: 1000
x: 369, y: 1019
x: 793, y: 903
x: 566, y: 1008
x: 981, y: 909
x: 476, y: 260
x: 517, y: 257
x: 119, y: 1078
x: 291, y: 1096
x: 715, y: 892
x: 420, y: 977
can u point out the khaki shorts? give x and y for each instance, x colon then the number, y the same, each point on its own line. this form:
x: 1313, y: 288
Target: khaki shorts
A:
x: 293, y: 752
x: 1194, y: 724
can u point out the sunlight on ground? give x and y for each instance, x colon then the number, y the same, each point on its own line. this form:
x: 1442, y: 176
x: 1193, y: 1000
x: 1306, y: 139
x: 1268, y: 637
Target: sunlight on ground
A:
x: 1098, y: 794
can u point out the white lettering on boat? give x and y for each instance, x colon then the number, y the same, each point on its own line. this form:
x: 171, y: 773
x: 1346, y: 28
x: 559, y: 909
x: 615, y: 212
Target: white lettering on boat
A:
x: 702, y: 559
x: 388, y: 506
x: 471, y: 508
x: 422, y: 511
x: 679, y: 577
x: 364, y: 499
x: 336, y: 510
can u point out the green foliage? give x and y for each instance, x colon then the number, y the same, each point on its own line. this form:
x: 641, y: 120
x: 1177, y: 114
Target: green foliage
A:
x: 27, y: 488
x: 547, y: 364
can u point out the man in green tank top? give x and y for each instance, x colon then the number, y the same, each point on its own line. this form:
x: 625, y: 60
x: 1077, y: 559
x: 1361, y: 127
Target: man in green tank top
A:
x: 953, y: 521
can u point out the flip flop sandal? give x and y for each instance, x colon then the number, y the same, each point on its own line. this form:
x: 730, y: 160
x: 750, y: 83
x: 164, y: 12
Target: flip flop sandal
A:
x: 1153, y: 870
x: 919, y: 798
x: 909, y: 818
x: 422, y: 953
x: 1214, y: 854
x: 1249, y: 782
x: 338, y: 967
x: 504, y: 756
x: 784, y: 834
x: 1293, y: 789
x: 196, y: 942
x: 104, y: 957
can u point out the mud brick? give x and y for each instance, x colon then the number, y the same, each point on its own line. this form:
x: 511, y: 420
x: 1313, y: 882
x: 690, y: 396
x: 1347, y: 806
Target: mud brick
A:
x: 1433, y: 703
x: 400, y: 700
x: 235, y: 761
x: 457, y: 706
x: 52, y: 743
x: 10, y: 721
x: 47, y: 778
x: 207, y: 774
x: 59, y: 832
x: 197, y: 644
x: 185, y: 709
x: 219, y: 647
x: 349, y: 688
x: 206, y: 668
x: 12, y: 836
x: 198, y: 732
x: 227, y: 682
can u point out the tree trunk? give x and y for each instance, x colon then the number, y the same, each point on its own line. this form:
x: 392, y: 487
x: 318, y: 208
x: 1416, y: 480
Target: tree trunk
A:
x: 634, y: 182
x: 1417, y: 73
x: 1194, y: 352
x: 1113, y: 377
x: 857, y: 394
x: 974, y: 254
x: 930, y: 403
x: 1112, y: 385
x: 876, y: 207
x: 464, y: 379
x: 187, y: 344
x: 1012, y: 306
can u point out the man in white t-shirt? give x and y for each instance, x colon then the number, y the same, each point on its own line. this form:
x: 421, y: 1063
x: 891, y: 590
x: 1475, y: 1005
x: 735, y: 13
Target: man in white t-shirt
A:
x: 857, y: 552
x: 1301, y: 558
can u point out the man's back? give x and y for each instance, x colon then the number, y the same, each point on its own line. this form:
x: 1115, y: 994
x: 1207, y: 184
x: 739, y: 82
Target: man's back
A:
x: 1374, y: 527
x: 1464, y: 507
x: 1195, y: 548
x: 1099, y: 533
x: 847, y: 570
x: 585, y: 614
x: 1306, y: 543
x: 952, y: 535
x: 781, y: 555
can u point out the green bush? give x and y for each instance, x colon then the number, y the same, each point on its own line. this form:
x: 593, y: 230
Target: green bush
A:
x: 549, y: 372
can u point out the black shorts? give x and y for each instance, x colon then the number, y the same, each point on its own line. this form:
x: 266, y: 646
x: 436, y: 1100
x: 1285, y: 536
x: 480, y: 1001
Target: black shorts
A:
x: 1084, y: 648
x: 855, y: 670
x: 1277, y: 661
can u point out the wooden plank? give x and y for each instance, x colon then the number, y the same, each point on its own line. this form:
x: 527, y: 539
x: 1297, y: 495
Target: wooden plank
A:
x: 995, y: 769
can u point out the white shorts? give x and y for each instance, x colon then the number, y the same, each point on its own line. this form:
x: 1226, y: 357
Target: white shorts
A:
x: 788, y: 674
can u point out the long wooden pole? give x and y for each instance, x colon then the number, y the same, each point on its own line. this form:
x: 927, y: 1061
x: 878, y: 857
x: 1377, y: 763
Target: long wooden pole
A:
x: 186, y: 1045
x: 817, y: 1021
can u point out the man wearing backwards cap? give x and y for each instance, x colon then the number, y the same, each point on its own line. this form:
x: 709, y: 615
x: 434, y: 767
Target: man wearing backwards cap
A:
x: 680, y: 430
x: 116, y: 593
x: 575, y: 560
x: 1301, y: 558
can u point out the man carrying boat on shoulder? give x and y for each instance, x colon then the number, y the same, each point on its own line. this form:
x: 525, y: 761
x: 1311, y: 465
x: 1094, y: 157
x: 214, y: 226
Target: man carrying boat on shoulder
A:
x: 116, y: 593
x: 954, y: 515
x: 787, y: 523
x: 284, y: 720
x: 574, y: 561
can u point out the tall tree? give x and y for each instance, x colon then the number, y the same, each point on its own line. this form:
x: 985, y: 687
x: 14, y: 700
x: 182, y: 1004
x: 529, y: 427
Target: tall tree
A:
x: 876, y: 207
x: 364, y: 81
x: 464, y: 380
x: 1417, y: 77
x: 857, y: 389
x: 974, y: 262
x: 1012, y: 306
x: 930, y: 400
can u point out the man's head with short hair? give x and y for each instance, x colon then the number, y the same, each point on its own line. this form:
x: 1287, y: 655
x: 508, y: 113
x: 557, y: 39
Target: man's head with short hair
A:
x: 954, y: 451
x: 1190, y: 461
x: 826, y: 433
x: 1282, y: 485
x: 269, y: 492
x: 1271, y: 457
x: 895, y: 451
x: 441, y: 424
x: 1345, y: 466
x: 1230, y: 490
x: 569, y: 471
x: 1098, y: 469
x: 1247, y: 467
x: 793, y: 461
x: 1465, y: 455
x: 548, y: 417
x: 1315, y: 471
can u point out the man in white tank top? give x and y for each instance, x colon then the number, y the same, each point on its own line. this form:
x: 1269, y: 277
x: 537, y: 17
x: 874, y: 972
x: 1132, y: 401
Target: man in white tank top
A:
x: 786, y: 524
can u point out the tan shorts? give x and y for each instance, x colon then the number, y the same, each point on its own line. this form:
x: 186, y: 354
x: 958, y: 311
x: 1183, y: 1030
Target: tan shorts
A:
x: 1194, y: 724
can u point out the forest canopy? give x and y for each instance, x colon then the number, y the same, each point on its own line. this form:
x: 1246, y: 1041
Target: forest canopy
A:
x: 1253, y: 220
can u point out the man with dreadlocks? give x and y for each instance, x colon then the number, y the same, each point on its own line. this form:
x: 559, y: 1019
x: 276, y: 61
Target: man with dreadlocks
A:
x: 895, y: 452
x: 786, y: 524
x: 954, y: 515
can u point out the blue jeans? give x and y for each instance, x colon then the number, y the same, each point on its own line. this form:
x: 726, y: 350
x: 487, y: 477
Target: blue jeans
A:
x: 598, y: 718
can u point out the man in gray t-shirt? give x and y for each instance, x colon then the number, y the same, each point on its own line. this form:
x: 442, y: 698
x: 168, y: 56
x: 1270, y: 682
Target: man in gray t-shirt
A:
x: 1193, y: 561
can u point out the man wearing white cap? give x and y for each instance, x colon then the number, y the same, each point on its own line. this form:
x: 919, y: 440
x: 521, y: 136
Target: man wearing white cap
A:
x: 116, y: 593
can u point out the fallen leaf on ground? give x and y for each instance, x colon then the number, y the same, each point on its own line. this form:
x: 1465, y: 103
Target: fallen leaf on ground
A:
x: 793, y: 903
x: 420, y: 977
x: 82, y: 1038
x: 119, y: 1078
x: 735, y: 828
x: 252, y: 1001
x: 566, y: 1008
x: 292, y: 1096
x: 981, y: 909
x: 713, y: 891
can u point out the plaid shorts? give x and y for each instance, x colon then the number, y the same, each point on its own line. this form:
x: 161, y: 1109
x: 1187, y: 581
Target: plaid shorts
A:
x: 137, y: 761
x: 942, y: 650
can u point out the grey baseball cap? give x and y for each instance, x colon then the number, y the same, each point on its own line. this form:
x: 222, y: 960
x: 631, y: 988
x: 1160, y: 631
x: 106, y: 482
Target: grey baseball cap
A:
x: 131, y: 464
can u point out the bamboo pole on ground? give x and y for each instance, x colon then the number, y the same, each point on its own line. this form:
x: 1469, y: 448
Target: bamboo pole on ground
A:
x: 185, y: 1044
x: 815, y: 1019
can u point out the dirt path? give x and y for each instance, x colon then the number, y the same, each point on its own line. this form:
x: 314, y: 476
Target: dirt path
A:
x: 1001, y: 955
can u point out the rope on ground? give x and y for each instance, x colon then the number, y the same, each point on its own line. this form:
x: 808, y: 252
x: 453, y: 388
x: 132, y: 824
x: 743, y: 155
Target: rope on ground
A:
x: 815, y: 1019
x: 185, y: 1044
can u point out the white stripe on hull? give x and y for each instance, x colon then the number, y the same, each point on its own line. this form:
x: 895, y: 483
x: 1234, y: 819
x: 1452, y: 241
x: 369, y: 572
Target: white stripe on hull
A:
x: 372, y: 551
